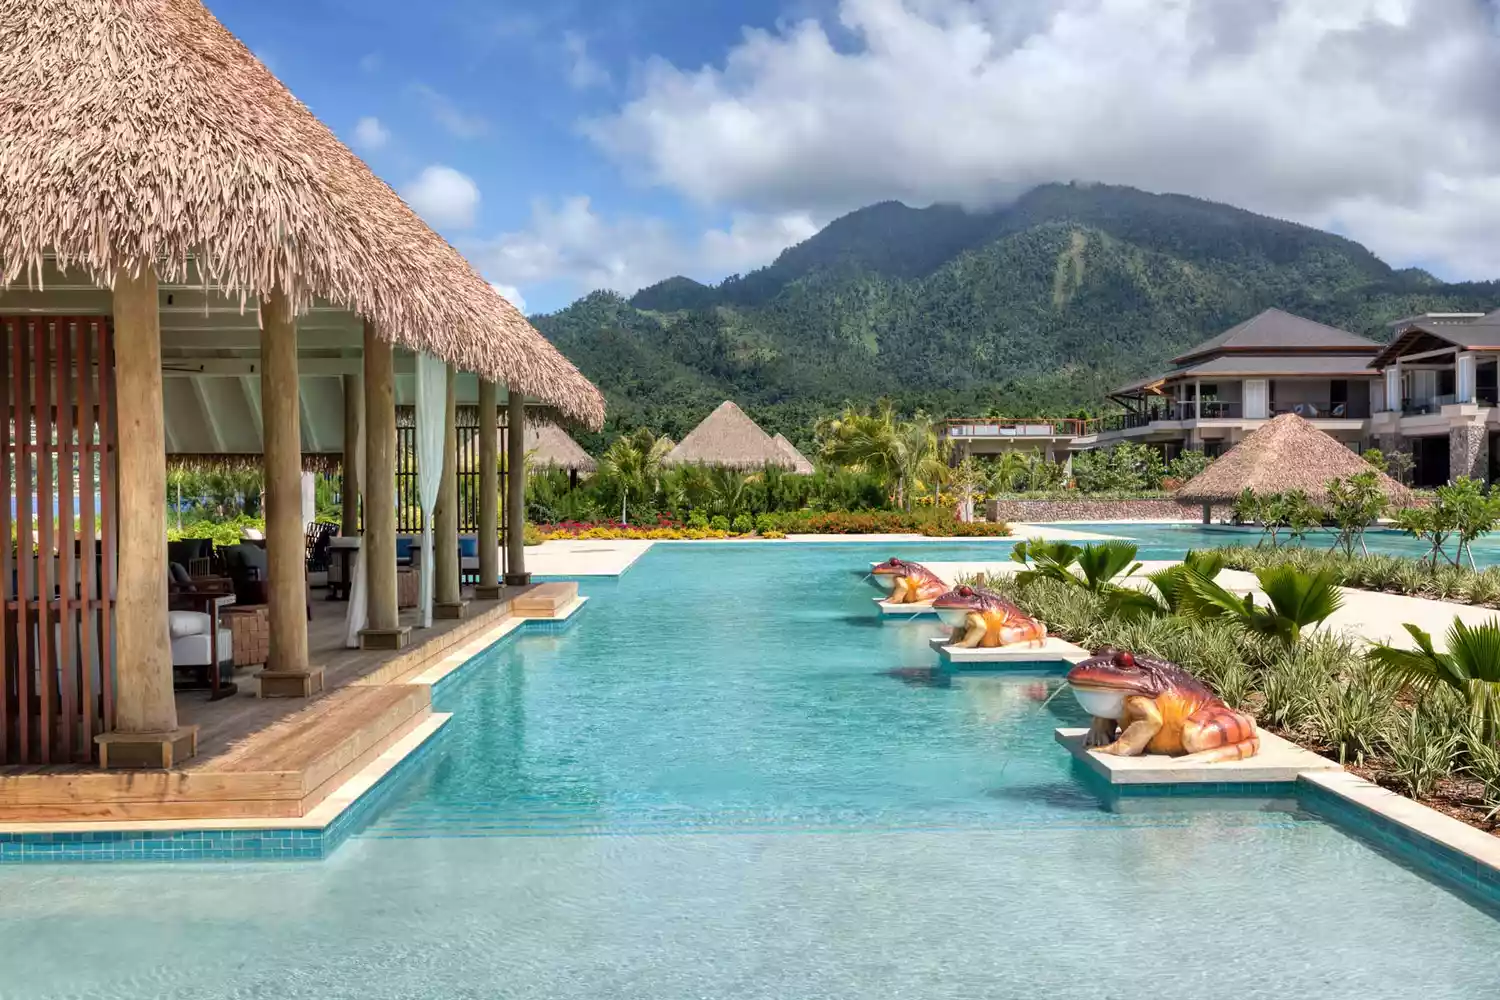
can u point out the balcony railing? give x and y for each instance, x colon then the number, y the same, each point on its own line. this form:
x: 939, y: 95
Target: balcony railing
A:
x: 1123, y: 421
x: 1427, y: 404
x: 1323, y: 409
x: 1001, y: 427
x: 1209, y: 409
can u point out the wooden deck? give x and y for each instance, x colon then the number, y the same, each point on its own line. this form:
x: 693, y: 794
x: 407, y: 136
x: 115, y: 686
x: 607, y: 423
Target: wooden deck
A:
x: 266, y: 757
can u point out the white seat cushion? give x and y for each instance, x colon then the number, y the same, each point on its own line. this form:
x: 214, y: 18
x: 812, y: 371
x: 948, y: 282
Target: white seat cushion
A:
x: 181, y: 623
x: 192, y: 650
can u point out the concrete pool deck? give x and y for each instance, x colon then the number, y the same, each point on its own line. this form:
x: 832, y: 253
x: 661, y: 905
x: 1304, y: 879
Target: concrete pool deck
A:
x: 1278, y: 762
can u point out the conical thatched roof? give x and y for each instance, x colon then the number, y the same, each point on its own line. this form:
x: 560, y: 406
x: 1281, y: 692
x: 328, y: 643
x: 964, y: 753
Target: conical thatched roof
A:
x: 799, y: 461
x: 142, y: 130
x: 1286, y: 454
x: 728, y: 438
x: 548, y: 446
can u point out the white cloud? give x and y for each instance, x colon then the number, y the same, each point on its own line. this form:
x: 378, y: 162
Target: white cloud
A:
x: 511, y: 294
x: 584, y: 71
x: 572, y: 244
x: 1381, y: 116
x: 444, y: 197
x: 448, y: 115
x: 369, y: 133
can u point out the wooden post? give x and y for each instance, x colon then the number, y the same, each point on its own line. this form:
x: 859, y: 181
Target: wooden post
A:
x: 515, y: 489
x: 378, y: 548
x: 354, y: 416
x: 447, y: 595
x: 146, y: 733
x: 287, y: 673
x: 489, y: 493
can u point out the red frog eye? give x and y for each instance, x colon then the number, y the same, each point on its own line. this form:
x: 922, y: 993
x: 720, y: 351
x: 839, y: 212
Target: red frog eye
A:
x: 965, y: 592
x: 1126, y: 660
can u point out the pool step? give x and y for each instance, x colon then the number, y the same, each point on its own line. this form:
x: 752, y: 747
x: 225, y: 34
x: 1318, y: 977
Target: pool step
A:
x: 546, y: 600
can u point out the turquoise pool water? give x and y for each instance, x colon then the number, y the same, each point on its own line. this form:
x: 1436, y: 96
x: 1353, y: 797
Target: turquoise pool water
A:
x: 729, y: 780
x: 1170, y: 541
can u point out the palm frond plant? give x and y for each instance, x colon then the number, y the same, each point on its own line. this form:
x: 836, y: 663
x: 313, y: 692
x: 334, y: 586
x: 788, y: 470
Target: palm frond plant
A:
x: 1470, y: 666
x: 1045, y: 561
x: 1295, y: 600
x: 1104, y: 564
x: 1130, y: 602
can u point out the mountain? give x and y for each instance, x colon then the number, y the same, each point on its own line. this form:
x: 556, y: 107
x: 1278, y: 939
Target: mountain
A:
x: 1039, y: 306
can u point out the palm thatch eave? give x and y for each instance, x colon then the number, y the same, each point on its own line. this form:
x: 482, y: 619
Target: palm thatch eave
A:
x: 1288, y: 453
x: 142, y: 131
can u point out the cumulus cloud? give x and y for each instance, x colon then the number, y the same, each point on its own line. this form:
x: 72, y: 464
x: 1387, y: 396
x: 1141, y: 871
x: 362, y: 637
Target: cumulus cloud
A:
x: 445, y: 197
x: 369, y: 133
x: 1377, y: 116
x: 447, y: 114
x: 511, y: 294
x: 584, y: 71
x: 573, y: 244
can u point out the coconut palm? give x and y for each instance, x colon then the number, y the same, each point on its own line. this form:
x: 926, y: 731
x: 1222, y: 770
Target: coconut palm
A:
x: 631, y: 467
x: 1471, y: 666
x: 921, y: 458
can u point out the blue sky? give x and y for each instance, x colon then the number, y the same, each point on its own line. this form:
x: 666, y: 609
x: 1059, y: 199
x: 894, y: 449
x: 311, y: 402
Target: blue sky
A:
x: 581, y: 144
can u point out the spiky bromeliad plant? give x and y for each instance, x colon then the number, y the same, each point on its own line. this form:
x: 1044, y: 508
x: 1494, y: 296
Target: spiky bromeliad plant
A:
x: 1471, y: 667
x: 1295, y: 600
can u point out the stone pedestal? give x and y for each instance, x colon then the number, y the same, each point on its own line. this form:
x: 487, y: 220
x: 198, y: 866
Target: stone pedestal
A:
x: 450, y: 610
x: 488, y: 592
x: 385, y: 638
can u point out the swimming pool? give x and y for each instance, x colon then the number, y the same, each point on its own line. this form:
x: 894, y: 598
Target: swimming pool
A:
x: 1170, y: 541
x: 728, y: 779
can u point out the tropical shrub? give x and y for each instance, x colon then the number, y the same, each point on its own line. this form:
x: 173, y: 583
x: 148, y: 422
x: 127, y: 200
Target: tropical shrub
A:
x: 718, y: 523
x: 742, y: 524
x: 1295, y: 600
x: 1470, y: 667
x: 1127, y: 466
x: 1355, y: 503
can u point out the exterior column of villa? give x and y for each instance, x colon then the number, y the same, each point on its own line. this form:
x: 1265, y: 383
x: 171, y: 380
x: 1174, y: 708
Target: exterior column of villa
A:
x: 489, y: 493
x: 146, y: 733
x: 448, y: 599
x: 383, y: 630
x: 287, y: 673
x: 354, y: 406
x: 515, y: 489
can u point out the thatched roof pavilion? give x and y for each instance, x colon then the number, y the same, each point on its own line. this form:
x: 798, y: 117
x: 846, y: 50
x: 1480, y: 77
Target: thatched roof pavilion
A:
x: 730, y: 439
x: 799, y: 461
x: 1288, y: 453
x: 548, y: 446
x: 143, y: 131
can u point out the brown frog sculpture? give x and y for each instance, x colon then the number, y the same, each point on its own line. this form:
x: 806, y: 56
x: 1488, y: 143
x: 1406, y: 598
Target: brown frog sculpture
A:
x: 908, y: 582
x: 981, y: 618
x: 1158, y: 707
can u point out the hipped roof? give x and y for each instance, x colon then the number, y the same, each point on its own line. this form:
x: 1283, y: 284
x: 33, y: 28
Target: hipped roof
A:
x: 727, y: 437
x: 142, y: 130
x: 1288, y: 453
x: 1467, y: 334
x: 549, y: 446
x: 1275, y: 330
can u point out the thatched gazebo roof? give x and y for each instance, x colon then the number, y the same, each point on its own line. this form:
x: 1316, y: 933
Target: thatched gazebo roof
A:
x: 799, y: 461
x: 548, y: 446
x: 142, y: 130
x: 728, y: 438
x: 1286, y: 454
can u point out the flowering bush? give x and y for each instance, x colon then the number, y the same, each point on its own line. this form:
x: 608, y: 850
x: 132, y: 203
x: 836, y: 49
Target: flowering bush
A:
x: 938, y: 523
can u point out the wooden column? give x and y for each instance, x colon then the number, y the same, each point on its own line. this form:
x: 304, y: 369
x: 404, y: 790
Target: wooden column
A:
x: 354, y: 416
x: 287, y: 673
x: 378, y: 547
x: 447, y: 595
x: 146, y: 733
x: 489, y: 493
x: 515, y: 490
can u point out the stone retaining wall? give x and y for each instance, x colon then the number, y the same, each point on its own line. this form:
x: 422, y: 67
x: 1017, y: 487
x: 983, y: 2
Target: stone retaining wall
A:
x: 1096, y: 510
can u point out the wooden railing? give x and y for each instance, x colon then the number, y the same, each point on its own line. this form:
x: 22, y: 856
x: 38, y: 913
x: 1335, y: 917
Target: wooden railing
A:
x: 1007, y: 427
x: 57, y: 563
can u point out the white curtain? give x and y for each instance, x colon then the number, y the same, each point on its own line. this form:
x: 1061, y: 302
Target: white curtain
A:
x: 432, y: 403
x: 359, y: 595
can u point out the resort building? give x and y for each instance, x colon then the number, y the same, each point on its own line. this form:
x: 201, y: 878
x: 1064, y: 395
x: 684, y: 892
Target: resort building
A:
x: 1438, y: 398
x: 728, y: 438
x: 1228, y: 386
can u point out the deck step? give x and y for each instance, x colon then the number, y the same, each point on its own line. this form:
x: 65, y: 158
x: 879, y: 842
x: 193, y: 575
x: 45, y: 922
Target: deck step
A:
x: 545, y: 600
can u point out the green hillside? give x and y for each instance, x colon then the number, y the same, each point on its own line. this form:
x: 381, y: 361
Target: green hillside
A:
x: 1038, y: 307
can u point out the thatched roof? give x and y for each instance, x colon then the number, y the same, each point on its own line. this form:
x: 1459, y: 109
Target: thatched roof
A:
x: 1286, y: 454
x: 728, y: 438
x: 548, y: 446
x: 799, y: 460
x: 142, y: 130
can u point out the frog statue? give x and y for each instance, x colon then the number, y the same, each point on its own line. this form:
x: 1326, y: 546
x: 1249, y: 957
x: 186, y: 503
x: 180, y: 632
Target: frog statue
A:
x: 1157, y: 707
x: 981, y: 618
x: 908, y: 582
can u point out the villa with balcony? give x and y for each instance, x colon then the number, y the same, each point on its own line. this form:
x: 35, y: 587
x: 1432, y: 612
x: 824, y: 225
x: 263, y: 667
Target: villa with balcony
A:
x: 1438, y: 395
x: 1224, y: 388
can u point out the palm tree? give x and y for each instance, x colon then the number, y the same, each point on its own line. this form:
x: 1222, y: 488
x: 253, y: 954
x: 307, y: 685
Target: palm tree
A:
x: 866, y: 442
x: 921, y: 457
x: 1471, y: 666
x: 632, y: 467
